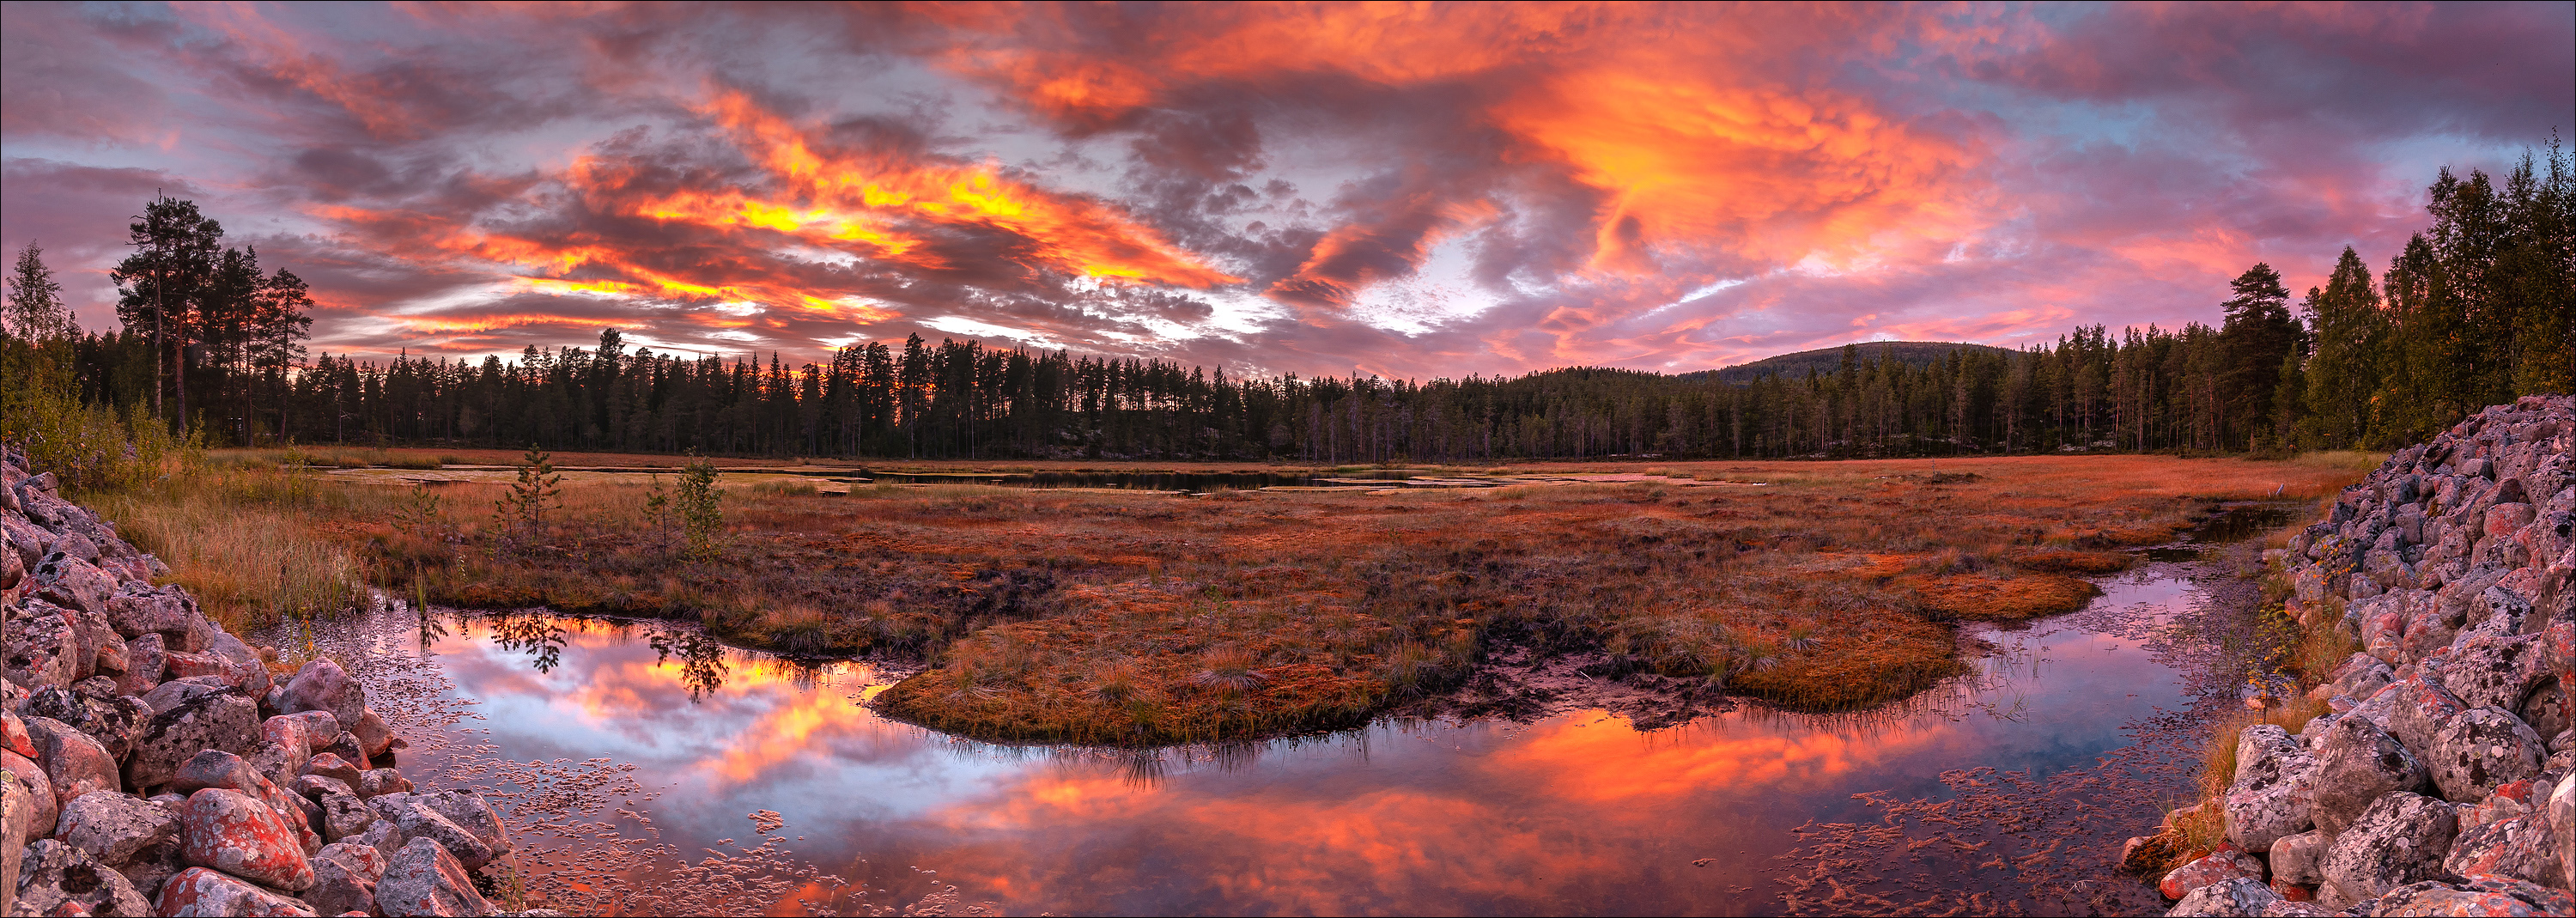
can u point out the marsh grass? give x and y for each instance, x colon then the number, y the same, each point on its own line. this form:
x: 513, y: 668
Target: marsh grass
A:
x: 1145, y: 618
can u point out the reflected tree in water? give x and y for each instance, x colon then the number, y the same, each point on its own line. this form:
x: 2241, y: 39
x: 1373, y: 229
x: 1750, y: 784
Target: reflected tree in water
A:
x: 536, y: 634
x: 702, y: 660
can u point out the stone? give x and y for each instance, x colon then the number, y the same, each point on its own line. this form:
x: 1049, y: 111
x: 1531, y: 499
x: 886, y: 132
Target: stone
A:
x: 320, y: 728
x: 38, y: 651
x: 346, y: 748
x: 2294, y: 858
x: 54, y: 877
x: 2477, y: 896
x: 17, y: 821
x: 2488, y: 670
x: 111, y: 721
x: 424, y: 879
x: 373, y: 735
x: 203, y: 718
x: 323, y: 686
x: 146, y: 658
x: 13, y: 735
x: 2361, y: 676
x: 235, y: 833
x: 73, y: 583
x: 2519, y: 847
x: 345, y: 878
x: 199, y: 891
x: 344, y: 814
x: 279, y: 763
x: 413, y: 815
x: 331, y: 766
x: 2269, y: 798
x: 2218, y: 866
x: 379, y: 781
x: 2229, y: 898
x: 2560, y: 810
x: 470, y: 811
x: 73, y: 761
x: 293, y: 735
x: 128, y: 834
x: 2480, y: 749
x: 2357, y: 762
x: 2410, y: 708
x: 138, y: 610
x: 2401, y: 839
x: 219, y: 769
x: 43, y: 806
x: 242, y: 664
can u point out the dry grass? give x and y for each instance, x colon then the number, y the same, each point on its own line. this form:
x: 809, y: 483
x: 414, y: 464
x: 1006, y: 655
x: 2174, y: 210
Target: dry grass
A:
x: 1139, y: 617
x: 253, y: 545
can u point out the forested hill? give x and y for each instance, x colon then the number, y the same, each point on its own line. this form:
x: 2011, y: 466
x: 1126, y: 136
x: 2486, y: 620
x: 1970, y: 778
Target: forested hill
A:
x: 2474, y: 310
x: 1826, y: 360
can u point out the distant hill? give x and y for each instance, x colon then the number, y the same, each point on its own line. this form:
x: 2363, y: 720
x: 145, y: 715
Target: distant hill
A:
x: 1828, y: 360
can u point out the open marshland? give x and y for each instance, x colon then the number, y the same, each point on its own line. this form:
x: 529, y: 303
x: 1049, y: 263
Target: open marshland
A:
x: 1134, y: 617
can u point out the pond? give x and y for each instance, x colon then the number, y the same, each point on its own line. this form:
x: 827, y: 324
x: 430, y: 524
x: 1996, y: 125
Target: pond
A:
x: 658, y: 771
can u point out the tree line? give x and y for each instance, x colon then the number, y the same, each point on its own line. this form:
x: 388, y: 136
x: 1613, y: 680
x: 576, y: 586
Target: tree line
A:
x: 2473, y: 310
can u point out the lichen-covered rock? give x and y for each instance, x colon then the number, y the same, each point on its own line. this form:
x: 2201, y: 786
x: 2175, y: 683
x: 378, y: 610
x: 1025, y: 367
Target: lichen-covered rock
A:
x: 2520, y: 847
x: 217, y: 768
x: 413, y: 815
x: 54, y: 877
x: 372, y: 734
x: 199, y: 891
x: 43, y: 806
x: 323, y: 686
x: 232, y: 832
x: 146, y: 660
x: 343, y: 813
x: 347, y: 748
x: 2400, y: 839
x: 2269, y: 797
x: 2361, y: 676
x: 468, y: 810
x: 2229, y: 898
x: 2410, y: 709
x: 199, y: 718
x: 2486, y: 669
x: 2357, y: 763
x: 73, y: 760
x: 39, y: 650
x: 2483, y: 896
x: 96, y: 710
x: 320, y: 728
x: 345, y: 878
x: 380, y: 781
x: 2479, y: 750
x: 2561, y: 813
x: 424, y: 879
x: 2226, y: 863
x: 2294, y: 858
x: 332, y: 766
x: 129, y: 834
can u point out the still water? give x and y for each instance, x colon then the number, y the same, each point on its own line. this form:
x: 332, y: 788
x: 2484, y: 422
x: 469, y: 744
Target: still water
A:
x: 663, y: 771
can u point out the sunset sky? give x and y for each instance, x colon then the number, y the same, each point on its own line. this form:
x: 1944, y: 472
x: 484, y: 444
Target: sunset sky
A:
x: 1409, y: 190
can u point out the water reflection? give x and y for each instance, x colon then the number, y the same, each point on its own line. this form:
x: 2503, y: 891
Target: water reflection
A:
x: 1577, y: 813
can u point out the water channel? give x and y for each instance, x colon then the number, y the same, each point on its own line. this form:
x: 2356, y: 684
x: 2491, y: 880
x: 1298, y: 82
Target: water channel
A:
x: 658, y: 771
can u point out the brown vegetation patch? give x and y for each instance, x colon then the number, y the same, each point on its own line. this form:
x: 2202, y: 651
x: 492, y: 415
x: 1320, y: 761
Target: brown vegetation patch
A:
x: 2074, y: 562
x: 2001, y: 597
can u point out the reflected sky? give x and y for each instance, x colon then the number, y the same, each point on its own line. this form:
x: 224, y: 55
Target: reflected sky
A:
x: 1575, y: 814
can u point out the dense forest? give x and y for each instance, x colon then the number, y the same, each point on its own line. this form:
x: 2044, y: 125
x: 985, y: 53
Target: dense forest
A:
x: 2474, y: 310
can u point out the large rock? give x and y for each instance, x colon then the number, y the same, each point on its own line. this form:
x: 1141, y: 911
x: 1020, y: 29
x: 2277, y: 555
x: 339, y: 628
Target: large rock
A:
x: 242, y: 663
x: 2357, y: 763
x: 232, y: 832
x: 39, y: 650
x: 2479, y: 750
x: 2561, y: 813
x: 372, y: 734
x: 424, y: 879
x: 2294, y: 858
x: 43, y: 806
x: 73, y: 760
x: 2401, y: 839
x: 2410, y: 709
x: 344, y: 814
x: 17, y: 822
x: 345, y: 878
x: 2486, y: 669
x: 2269, y: 798
x: 96, y: 710
x: 468, y: 809
x: 2222, y: 865
x: 332, y: 766
x: 217, y: 768
x: 2497, y: 896
x: 199, y: 718
x: 146, y: 659
x: 320, y: 728
x: 413, y: 817
x: 322, y: 686
x: 132, y: 836
x: 52, y: 877
x: 199, y: 891
x: 2520, y: 847
x: 2229, y: 898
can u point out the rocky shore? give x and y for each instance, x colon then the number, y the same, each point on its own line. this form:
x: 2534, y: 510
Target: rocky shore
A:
x: 151, y: 763
x: 2443, y: 780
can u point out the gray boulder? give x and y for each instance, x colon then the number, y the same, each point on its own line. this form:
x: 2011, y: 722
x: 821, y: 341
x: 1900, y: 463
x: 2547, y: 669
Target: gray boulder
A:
x: 53, y: 876
x: 2489, y: 670
x: 2269, y: 798
x: 323, y: 686
x: 39, y: 650
x: 470, y: 811
x: 344, y: 814
x: 2519, y: 847
x: 146, y: 658
x: 43, y: 808
x: 424, y: 879
x: 200, y: 718
x: 345, y: 878
x: 2474, y: 896
x: 2479, y: 750
x: 2228, y: 899
x: 2294, y: 858
x: 414, y: 818
x: 332, y: 766
x: 379, y: 781
x: 128, y: 834
x: 2560, y: 810
x: 2357, y: 763
x: 200, y: 891
x: 2401, y: 839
